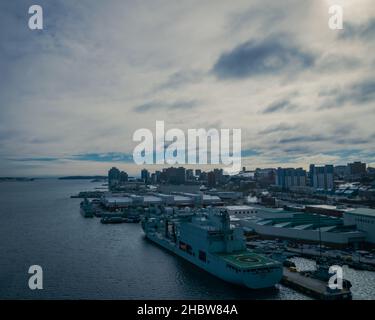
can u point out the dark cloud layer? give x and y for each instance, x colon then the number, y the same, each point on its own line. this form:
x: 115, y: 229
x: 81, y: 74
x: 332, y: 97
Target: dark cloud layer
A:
x: 38, y: 159
x: 181, y: 78
x: 333, y: 138
x: 361, y: 92
x: 104, y: 157
x: 311, y: 138
x: 157, y: 105
x: 356, y: 94
x: 282, y: 127
x: 364, y: 31
x: 282, y: 105
x: 262, y: 57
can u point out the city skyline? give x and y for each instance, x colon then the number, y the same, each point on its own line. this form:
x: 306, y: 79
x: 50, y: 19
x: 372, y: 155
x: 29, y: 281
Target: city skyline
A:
x: 72, y: 95
x: 355, y: 169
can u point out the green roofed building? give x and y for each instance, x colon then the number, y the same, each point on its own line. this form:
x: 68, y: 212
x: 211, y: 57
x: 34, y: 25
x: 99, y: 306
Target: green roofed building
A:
x: 307, y: 227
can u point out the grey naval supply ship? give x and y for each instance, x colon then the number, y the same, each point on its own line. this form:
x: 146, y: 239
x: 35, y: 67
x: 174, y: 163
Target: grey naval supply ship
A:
x: 206, y: 238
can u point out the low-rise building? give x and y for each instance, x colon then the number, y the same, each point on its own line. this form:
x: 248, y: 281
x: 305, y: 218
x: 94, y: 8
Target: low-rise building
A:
x: 241, y: 211
x: 306, y: 227
x: 364, y: 220
x: 327, y: 210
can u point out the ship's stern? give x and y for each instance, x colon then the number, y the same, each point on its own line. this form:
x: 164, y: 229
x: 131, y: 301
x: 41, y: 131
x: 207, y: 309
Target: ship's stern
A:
x: 263, y: 278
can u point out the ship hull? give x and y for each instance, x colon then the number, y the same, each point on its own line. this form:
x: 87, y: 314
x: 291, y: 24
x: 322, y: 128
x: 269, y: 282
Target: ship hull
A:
x: 86, y: 214
x: 256, y: 279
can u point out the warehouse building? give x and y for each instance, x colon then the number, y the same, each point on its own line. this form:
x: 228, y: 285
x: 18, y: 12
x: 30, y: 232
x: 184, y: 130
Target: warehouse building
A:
x: 306, y: 227
x: 124, y: 200
x: 364, y: 220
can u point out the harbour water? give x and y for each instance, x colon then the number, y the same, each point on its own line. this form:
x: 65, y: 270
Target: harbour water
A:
x: 84, y: 259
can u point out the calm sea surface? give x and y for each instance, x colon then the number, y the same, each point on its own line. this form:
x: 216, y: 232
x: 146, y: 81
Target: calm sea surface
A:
x: 84, y: 259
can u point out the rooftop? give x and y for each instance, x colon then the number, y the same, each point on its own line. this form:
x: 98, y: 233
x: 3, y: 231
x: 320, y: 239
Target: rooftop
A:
x: 271, y: 210
x: 118, y: 199
x: 149, y: 199
x: 302, y: 221
x: 363, y: 212
x: 325, y: 206
x: 178, y: 198
x: 239, y: 208
x: 207, y: 197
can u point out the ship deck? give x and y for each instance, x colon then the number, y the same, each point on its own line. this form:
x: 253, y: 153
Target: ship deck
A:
x: 246, y: 260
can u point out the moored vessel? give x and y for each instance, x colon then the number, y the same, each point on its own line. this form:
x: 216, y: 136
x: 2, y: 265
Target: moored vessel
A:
x: 205, y: 238
x: 87, y: 209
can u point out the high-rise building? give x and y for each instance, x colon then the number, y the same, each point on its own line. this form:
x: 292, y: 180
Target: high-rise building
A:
x: 341, y: 171
x: 290, y: 177
x: 157, y: 176
x: 179, y: 176
x: 189, y: 174
x: 321, y: 177
x: 145, y: 175
x: 357, y: 168
x: 219, y: 178
x: 265, y: 176
x: 113, y: 176
x: 203, y: 176
x: 174, y: 175
x: 123, y: 176
x: 211, y: 179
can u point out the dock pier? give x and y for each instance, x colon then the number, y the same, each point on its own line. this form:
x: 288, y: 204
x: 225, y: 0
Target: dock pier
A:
x: 312, y: 287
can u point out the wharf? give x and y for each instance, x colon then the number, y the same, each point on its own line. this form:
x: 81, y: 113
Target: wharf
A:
x: 313, y: 287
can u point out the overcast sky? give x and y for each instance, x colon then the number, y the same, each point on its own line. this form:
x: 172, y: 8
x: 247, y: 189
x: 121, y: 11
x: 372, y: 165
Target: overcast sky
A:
x: 72, y: 95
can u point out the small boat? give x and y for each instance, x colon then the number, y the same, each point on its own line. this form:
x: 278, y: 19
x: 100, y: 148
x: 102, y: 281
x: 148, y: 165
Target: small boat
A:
x: 132, y: 220
x: 106, y: 220
x: 86, y: 209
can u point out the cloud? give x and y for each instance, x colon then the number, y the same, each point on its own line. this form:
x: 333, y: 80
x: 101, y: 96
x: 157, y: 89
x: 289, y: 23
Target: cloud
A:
x: 181, y: 78
x: 257, y: 17
x: 249, y: 153
x: 96, y: 157
x: 344, y: 153
x: 282, y: 127
x: 157, y: 105
x: 353, y: 140
x: 300, y: 149
x: 338, y: 63
x: 310, y: 138
x: 45, y: 159
x: 269, y: 56
x: 282, y: 105
x: 104, y: 157
x: 364, y: 31
x: 360, y: 92
x: 77, y: 88
x: 357, y: 93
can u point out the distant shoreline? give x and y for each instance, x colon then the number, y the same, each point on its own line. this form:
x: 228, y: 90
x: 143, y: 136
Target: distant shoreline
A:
x: 83, y: 178
x: 16, y: 179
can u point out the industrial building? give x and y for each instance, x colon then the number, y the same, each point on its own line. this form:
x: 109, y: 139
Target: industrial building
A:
x: 241, y: 211
x: 124, y: 200
x: 227, y: 195
x: 305, y: 227
x: 326, y: 209
x: 244, y: 211
x: 364, y: 220
x: 290, y: 177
